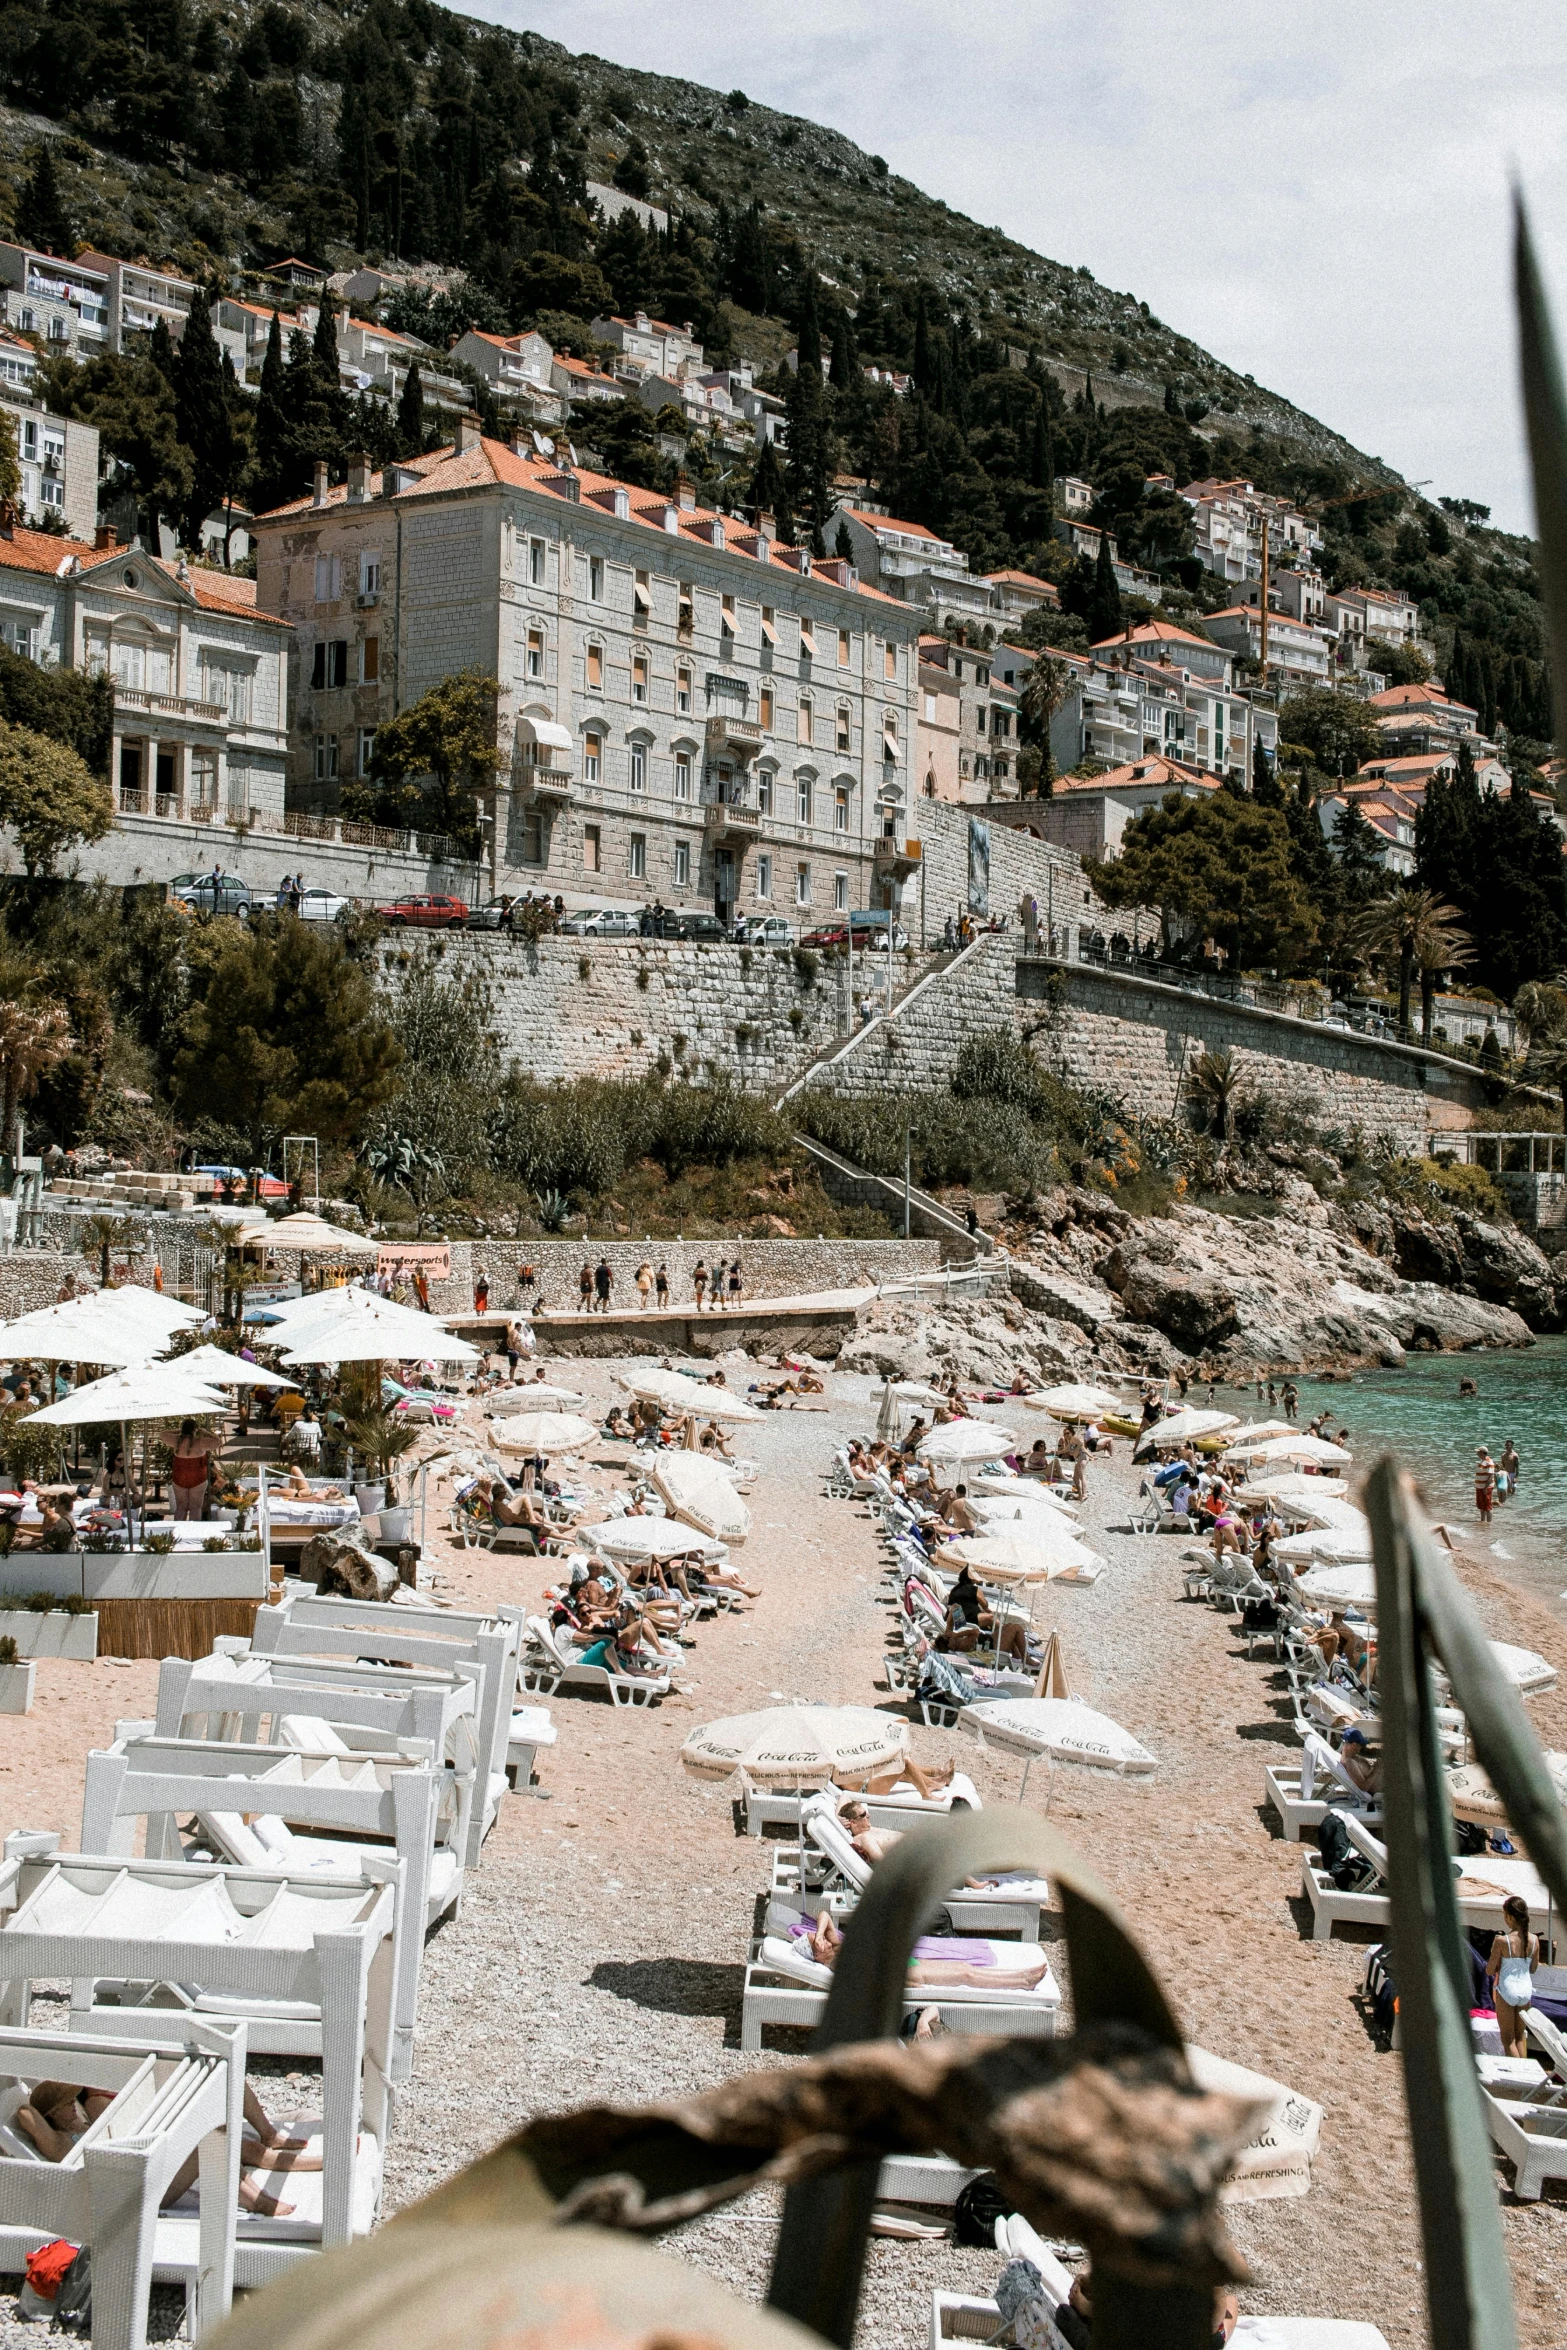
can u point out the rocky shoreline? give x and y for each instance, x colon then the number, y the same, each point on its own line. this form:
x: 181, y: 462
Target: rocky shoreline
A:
x: 1288, y: 1283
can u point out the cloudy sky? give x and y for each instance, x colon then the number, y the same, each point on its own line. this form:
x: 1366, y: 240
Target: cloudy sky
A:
x: 1317, y: 195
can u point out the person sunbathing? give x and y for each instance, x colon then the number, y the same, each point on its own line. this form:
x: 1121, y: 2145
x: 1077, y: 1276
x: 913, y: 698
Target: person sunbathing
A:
x: 926, y: 1783
x: 617, y: 1424
x: 1040, y: 1461
x: 926, y: 1971
x: 971, y: 1624
x: 60, y: 2112
x: 957, y: 1511
x: 713, y: 1439
x: 297, y: 1485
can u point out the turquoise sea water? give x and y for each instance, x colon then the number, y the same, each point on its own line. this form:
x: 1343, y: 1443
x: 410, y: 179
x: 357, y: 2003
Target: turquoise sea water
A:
x: 1419, y: 1414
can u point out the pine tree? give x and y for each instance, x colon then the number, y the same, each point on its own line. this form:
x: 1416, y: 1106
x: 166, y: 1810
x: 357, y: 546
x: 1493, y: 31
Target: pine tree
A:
x: 410, y: 415
x: 1104, y: 598
x: 160, y: 350
x: 1172, y: 400
x: 750, y: 269
x: 272, y: 480
x: 205, y: 424
x: 41, y: 217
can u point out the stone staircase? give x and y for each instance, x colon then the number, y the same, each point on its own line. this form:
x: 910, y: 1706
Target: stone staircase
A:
x: 864, y: 1039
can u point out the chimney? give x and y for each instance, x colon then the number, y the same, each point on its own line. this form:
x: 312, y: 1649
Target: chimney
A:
x: 358, y: 477
x: 319, y: 498
x: 621, y: 500
x: 468, y: 434
x: 685, y: 495
x: 105, y: 538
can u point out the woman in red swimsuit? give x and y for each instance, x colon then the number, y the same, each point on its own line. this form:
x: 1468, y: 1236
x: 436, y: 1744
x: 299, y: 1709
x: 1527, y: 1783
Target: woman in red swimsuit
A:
x: 192, y: 1457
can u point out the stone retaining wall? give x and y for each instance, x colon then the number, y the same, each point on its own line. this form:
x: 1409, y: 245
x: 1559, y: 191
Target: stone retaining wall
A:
x: 773, y: 1268
x: 1135, y: 1037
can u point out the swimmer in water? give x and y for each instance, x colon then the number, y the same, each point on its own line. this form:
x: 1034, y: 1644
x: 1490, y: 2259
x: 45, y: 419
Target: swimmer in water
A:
x: 1467, y: 1386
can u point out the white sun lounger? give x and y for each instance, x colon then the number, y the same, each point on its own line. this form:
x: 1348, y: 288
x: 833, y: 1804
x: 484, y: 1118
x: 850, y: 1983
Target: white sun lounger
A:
x: 547, y: 1664
x: 1531, y: 2134
x: 785, y: 1986
x: 901, y: 1807
x: 828, y: 1862
x: 446, y: 1638
x: 169, y: 2102
x: 1331, y: 1907
x: 1298, y: 1799
x: 247, y: 1802
x: 963, y: 2317
x: 306, y: 1963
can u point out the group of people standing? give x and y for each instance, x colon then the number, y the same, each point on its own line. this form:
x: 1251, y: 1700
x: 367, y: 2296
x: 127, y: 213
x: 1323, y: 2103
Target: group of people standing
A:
x: 1496, y: 1481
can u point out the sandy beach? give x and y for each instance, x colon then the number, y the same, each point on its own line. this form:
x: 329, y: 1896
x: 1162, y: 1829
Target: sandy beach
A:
x: 601, y: 1945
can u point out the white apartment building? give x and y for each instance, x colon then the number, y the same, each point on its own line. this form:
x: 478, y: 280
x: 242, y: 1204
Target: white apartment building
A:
x: 980, y: 761
x: 59, y: 462
x: 139, y: 295
x: 200, y: 677
x: 64, y: 302
x: 1367, y: 617
x: 18, y: 365
x: 1422, y: 719
x: 1126, y: 711
x: 1299, y: 653
x: 1227, y: 517
x: 1014, y: 594
x: 1074, y: 496
x: 1090, y: 814
x: 1300, y: 595
x: 906, y: 560
x: 519, y: 368
x: 688, y: 711
x: 650, y: 346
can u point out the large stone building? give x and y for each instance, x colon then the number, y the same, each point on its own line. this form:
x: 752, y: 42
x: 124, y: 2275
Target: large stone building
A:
x: 199, y: 677
x: 688, y: 710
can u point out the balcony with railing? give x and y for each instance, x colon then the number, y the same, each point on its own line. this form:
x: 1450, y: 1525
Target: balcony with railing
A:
x: 731, y: 734
x: 731, y: 823
x: 894, y: 859
x: 135, y: 697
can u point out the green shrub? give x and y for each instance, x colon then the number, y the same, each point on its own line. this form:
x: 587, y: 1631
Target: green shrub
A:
x: 1474, y: 1189
x: 160, y: 1545
x: 8, y: 1655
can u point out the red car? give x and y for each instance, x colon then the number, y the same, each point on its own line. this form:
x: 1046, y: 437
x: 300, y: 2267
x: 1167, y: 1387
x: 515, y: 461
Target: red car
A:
x: 425, y: 914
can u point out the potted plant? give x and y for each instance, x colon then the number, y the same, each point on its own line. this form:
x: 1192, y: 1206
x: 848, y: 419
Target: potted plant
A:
x: 16, y: 1679
x: 379, y: 1436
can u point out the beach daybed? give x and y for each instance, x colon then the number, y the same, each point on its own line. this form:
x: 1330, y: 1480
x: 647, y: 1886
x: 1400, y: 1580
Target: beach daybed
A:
x: 827, y: 1864
x: 784, y: 1985
x: 1525, y: 2114
x: 397, y: 1634
x: 172, y: 2099
x: 247, y: 1800
x: 313, y: 1706
x: 304, y: 1962
x: 1296, y: 1795
x: 901, y: 1807
x: 962, y: 2317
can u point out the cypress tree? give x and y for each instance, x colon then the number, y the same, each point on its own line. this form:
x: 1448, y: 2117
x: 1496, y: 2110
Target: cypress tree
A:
x: 1104, y: 597
x: 205, y: 425
x: 845, y: 358
x: 1265, y: 787
x: 806, y: 408
x: 160, y: 350
x: 272, y: 481
x: 410, y: 415
x: 1042, y: 457
x: 41, y: 217
x: 770, y: 492
x: 843, y: 545
x: 325, y: 344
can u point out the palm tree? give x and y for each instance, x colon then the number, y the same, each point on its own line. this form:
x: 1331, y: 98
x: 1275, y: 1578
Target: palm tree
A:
x: 1044, y: 690
x: 1542, y: 1006
x: 1214, y: 1080
x: 1422, y: 931
x: 33, y: 1038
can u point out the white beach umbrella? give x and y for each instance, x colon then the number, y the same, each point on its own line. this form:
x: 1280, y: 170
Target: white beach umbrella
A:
x: 966, y: 1440
x: 357, y: 1326
x: 997, y: 1492
x: 1181, y: 1425
x: 650, y: 1538
x: 1277, y: 2161
x: 144, y: 1393
x: 544, y: 1433
x: 1257, y: 1432
x: 1032, y: 1555
x: 116, y: 1326
x: 793, y: 1745
x: 1061, y: 1727
x: 528, y: 1398
x: 1472, y: 1796
x: 1334, y: 1513
x: 214, y: 1366
x: 303, y: 1233
x: 1075, y: 1402
x: 1301, y: 1447
x: 697, y: 1489
x: 679, y: 1394
x: 1329, y: 1546
x: 1350, y: 1585
x: 1524, y: 1667
x: 916, y: 1391
x: 1290, y: 1486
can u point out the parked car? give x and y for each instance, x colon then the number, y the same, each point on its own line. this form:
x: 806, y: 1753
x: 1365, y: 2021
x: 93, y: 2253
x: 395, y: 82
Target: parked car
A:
x: 212, y: 893
x: 600, y: 922
x: 323, y: 905
x: 432, y: 913
x: 763, y: 930
x: 695, y: 924
x: 495, y: 914
x: 870, y: 934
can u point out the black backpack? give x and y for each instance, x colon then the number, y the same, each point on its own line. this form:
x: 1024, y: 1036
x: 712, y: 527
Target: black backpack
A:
x: 1381, y: 1990
x: 978, y: 2207
x: 1349, y: 1869
x: 73, y: 2302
